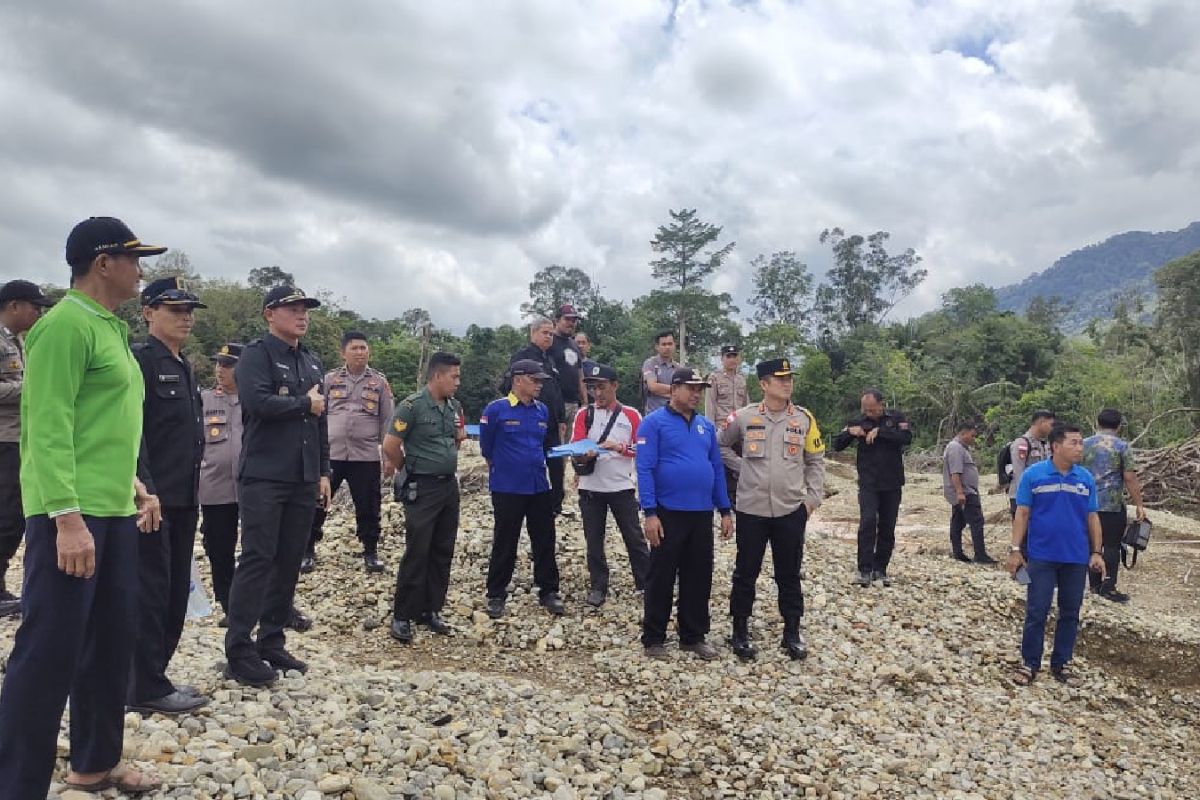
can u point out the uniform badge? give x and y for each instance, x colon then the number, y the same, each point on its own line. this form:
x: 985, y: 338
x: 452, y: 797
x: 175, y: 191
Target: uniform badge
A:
x: 792, y: 450
x: 284, y: 391
x: 14, y: 364
x: 753, y: 447
x: 700, y: 429
x: 214, y: 432
x: 399, y: 425
x: 370, y: 406
x: 756, y: 421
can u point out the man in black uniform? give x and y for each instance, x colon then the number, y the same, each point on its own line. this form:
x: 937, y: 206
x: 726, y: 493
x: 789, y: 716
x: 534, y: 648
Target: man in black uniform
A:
x: 173, y: 436
x: 541, y: 340
x: 284, y: 470
x: 881, y: 436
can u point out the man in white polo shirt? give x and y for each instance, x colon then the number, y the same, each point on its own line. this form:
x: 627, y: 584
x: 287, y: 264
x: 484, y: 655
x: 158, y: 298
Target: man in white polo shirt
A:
x: 607, y: 478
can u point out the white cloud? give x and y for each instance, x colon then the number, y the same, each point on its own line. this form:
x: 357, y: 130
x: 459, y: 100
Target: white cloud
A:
x: 436, y: 155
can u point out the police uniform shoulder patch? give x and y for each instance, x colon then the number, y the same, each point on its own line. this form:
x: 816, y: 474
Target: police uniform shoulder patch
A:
x: 399, y: 425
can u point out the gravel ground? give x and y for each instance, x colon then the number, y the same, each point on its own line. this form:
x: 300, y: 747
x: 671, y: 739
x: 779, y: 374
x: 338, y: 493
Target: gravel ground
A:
x: 904, y: 695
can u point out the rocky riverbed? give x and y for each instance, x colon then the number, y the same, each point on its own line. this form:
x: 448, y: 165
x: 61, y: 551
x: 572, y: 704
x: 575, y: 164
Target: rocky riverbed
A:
x: 904, y: 695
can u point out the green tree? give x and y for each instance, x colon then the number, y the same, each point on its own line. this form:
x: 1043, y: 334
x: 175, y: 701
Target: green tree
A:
x: 865, y: 282
x: 687, y: 259
x: 969, y: 304
x: 782, y: 300
x: 555, y: 285
x: 1178, y: 317
x: 264, y: 278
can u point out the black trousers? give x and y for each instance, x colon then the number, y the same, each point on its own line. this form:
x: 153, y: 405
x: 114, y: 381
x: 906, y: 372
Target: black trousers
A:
x: 164, y: 580
x: 276, y: 520
x: 961, y: 517
x: 365, y: 491
x: 12, y: 520
x: 594, y: 508
x: 877, y: 513
x: 537, y: 512
x: 686, y: 553
x: 786, y: 537
x: 76, y: 639
x: 430, y: 530
x: 219, y: 529
x: 1112, y: 529
x: 731, y: 480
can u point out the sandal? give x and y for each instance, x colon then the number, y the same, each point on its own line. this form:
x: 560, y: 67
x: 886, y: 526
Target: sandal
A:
x: 123, y: 778
x: 1066, y: 676
x: 1023, y: 676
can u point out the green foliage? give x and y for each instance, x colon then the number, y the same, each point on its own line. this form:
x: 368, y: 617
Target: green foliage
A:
x: 1178, y: 317
x: 555, y: 285
x: 865, y: 282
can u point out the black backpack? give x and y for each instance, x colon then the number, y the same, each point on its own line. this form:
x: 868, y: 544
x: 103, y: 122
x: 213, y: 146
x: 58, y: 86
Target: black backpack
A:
x: 1004, y: 465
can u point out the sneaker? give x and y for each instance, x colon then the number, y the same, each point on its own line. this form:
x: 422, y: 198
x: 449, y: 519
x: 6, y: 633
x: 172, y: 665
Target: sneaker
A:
x: 372, y: 563
x: 553, y: 603
x: 881, y: 576
x: 250, y: 671
x: 702, y: 650
x: 401, y: 630
x: 308, y: 563
x: 283, y: 660
x: 1114, y: 596
x: 863, y: 578
x: 655, y: 651
x: 495, y: 607
x: 595, y: 598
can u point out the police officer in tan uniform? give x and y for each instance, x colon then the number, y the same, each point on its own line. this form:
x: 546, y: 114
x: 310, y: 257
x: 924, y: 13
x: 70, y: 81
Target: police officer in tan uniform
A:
x: 218, y: 471
x: 21, y: 304
x: 360, y: 407
x: 727, y: 394
x: 782, y: 481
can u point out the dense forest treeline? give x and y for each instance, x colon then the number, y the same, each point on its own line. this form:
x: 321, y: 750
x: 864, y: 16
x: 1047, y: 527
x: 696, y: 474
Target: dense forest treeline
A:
x: 967, y: 359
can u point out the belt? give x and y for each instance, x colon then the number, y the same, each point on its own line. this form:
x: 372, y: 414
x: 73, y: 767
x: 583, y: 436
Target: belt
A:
x: 431, y: 477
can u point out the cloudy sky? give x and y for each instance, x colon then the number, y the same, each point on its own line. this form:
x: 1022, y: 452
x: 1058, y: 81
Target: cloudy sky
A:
x: 403, y: 154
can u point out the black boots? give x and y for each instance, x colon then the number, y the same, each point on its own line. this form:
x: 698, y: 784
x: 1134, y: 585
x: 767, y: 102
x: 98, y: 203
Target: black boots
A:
x: 793, y: 640
x: 740, y: 640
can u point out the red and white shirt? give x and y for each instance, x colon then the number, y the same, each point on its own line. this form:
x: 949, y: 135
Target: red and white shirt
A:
x: 616, y: 472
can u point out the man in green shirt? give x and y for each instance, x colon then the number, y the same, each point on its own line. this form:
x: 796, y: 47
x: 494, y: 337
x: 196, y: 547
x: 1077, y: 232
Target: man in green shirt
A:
x: 424, y: 438
x: 81, y: 410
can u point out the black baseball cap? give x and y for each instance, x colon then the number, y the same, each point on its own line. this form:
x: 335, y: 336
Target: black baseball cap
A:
x: 688, y: 376
x: 527, y: 366
x: 730, y: 350
x: 599, y: 372
x: 24, y: 290
x: 96, y: 235
x: 170, y: 292
x: 284, y: 295
x: 228, y: 354
x: 777, y: 367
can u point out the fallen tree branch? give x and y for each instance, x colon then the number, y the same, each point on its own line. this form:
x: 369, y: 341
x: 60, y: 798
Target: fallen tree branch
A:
x: 1157, y: 417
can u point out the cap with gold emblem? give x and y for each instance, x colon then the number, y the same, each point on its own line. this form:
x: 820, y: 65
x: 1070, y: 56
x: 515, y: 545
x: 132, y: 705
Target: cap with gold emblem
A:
x: 286, y: 295
x: 170, y: 292
x: 777, y: 367
x: 228, y: 354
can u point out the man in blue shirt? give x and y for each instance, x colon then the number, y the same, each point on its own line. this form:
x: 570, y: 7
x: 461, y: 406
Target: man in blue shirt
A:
x: 1056, y: 509
x: 512, y: 435
x: 680, y: 479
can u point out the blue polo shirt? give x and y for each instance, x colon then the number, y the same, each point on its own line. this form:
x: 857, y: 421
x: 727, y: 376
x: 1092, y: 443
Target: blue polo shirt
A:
x: 512, y: 438
x: 679, y: 463
x: 1058, y: 512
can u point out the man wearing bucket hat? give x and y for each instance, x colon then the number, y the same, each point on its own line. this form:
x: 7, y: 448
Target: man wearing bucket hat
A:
x: 173, y: 431
x: 284, y: 472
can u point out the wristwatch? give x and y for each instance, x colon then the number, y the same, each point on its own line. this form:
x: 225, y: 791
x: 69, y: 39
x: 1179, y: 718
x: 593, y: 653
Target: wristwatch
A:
x: 1014, y: 548
x: 1098, y: 553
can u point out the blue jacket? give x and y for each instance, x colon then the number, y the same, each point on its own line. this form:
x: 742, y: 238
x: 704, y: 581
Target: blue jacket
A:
x: 512, y: 438
x: 679, y: 464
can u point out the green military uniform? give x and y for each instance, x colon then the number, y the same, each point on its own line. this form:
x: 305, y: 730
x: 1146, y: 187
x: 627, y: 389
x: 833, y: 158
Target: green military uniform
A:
x: 431, y: 433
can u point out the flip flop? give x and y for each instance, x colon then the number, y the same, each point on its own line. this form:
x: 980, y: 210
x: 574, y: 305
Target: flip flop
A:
x: 1022, y: 676
x: 124, y: 779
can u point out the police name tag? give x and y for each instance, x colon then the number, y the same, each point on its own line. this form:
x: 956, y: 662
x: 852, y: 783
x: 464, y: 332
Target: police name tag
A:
x: 168, y: 379
x: 283, y: 390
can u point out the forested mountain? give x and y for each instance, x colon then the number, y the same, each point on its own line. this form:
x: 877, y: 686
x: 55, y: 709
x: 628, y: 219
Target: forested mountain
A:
x: 1091, y: 278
